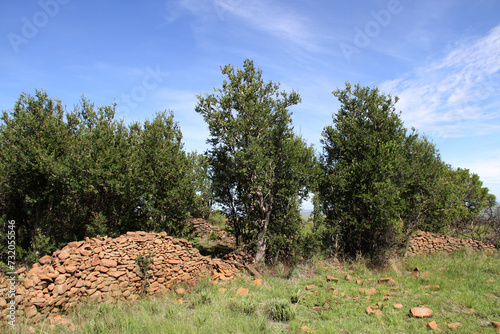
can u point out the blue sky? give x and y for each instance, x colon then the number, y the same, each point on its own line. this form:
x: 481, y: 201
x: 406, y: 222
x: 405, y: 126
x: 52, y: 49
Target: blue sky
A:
x: 441, y: 58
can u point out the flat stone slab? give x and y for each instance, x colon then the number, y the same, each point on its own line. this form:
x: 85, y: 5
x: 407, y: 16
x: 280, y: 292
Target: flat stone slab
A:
x: 421, y: 312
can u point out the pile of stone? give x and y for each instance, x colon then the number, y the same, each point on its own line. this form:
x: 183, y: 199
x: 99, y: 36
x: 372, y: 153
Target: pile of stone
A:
x: 239, y: 257
x: 201, y: 227
x: 426, y: 243
x: 106, y: 269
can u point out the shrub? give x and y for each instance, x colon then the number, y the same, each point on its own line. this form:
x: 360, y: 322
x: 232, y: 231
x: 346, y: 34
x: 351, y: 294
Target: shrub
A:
x: 280, y: 310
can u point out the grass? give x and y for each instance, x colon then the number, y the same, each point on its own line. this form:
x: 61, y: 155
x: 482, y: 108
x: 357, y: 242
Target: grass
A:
x: 463, y: 287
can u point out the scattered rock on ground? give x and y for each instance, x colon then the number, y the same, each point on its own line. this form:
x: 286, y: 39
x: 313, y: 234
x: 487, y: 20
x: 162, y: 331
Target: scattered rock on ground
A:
x: 454, y: 325
x: 421, y: 312
x: 496, y: 324
x: 433, y: 325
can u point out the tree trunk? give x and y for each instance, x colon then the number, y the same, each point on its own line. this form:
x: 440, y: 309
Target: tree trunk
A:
x: 261, y: 249
x: 262, y: 238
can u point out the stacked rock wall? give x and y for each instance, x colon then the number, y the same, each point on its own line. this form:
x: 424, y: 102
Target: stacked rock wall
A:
x: 105, y: 269
x: 427, y: 243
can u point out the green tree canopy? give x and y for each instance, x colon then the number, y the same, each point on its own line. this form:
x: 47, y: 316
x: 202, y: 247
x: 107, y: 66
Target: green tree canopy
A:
x: 380, y: 182
x: 260, y: 168
x: 68, y: 175
x: 366, y: 168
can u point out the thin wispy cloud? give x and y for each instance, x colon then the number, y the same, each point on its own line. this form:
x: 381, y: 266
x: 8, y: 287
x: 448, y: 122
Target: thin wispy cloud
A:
x: 443, y: 60
x: 278, y: 22
x: 487, y: 168
x: 455, y: 95
x: 265, y: 17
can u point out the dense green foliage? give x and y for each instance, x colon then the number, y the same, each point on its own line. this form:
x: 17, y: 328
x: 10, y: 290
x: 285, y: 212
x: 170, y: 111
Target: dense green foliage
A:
x: 68, y: 175
x: 381, y: 182
x: 260, y: 168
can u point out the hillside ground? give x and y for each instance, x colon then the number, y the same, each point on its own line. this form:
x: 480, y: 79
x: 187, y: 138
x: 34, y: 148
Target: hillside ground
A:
x: 319, y: 296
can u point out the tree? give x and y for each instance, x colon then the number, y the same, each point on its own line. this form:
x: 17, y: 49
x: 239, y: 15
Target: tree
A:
x: 463, y: 200
x: 65, y: 176
x: 380, y: 183
x: 103, y: 172
x: 167, y: 189
x: 33, y: 174
x: 422, y: 182
x: 259, y: 167
x: 366, y: 167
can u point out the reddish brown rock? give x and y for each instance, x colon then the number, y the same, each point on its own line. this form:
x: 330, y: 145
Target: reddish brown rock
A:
x: 108, y: 263
x: 311, y: 287
x: 30, y: 312
x: 116, y: 274
x: 70, y: 267
x: 53, y: 275
x: 257, y: 282
x: 388, y: 281
x: 44, y: 277
x: 59, y: 289
x: 398, y: 306
x: 242, y: 292
x: 60, y: 279
x: 421, y: 312
x: 63, y: 255
x: 84, y: 252
x: 433, y: 325
x: 45, y: 260
x: 20, y: 270
x: 454, y: 325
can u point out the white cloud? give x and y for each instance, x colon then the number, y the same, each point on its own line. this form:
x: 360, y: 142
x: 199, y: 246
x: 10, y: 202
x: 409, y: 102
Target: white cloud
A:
x: 488, y: 170
x: 277, y: 21
x: 457, y: 95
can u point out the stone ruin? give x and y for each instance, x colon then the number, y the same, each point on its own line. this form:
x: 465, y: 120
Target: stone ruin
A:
x: 105, y: 269
x: 427, y: 243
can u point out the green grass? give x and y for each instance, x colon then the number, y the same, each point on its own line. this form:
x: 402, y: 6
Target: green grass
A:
x: 217, y: 218
x: 468, y: 292
x: 305, y: 216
